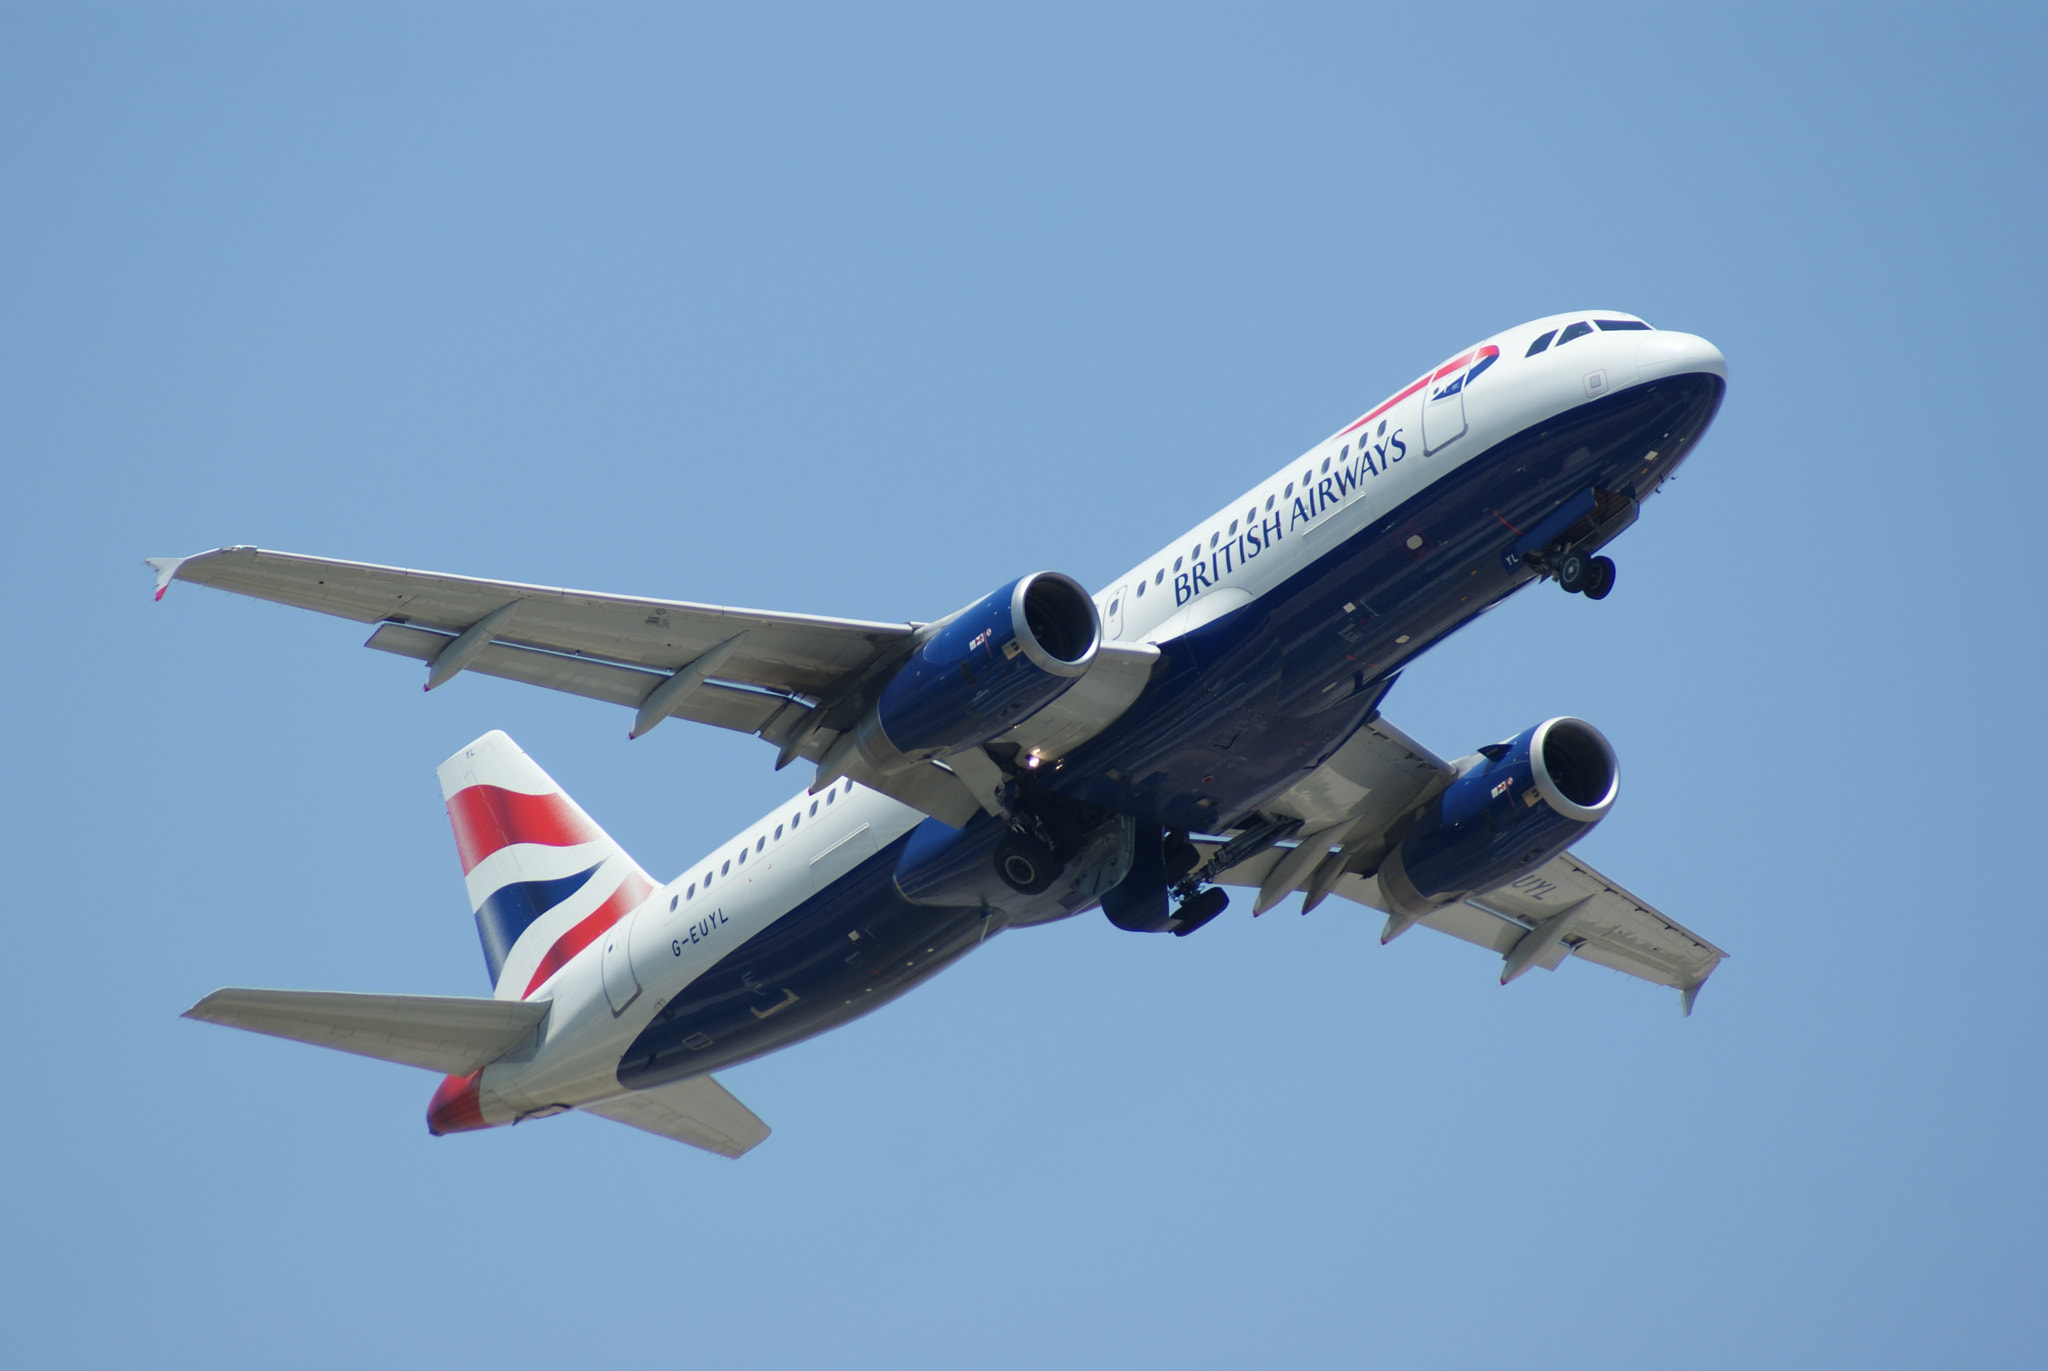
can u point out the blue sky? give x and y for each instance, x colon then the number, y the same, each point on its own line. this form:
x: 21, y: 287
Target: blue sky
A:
x: 864, y: 310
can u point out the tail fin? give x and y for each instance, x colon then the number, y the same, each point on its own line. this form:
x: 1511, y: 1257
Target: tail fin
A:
x: 544, y: 880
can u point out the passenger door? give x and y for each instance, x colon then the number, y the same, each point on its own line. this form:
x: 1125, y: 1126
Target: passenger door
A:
x: 1443, y: 406
x: 621, y: 986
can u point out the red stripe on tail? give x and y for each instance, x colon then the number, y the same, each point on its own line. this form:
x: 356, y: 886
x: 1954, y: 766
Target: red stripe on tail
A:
x: 624, y: 900
x: 488, y: 819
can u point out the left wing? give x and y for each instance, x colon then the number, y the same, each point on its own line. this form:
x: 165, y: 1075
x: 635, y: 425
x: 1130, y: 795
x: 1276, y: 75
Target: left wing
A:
x: 798, y: 681
x: 782, y: 654
x: 699, y: 1111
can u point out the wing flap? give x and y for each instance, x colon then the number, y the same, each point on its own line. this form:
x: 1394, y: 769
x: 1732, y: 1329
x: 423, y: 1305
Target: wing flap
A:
x: 1613, y: 927
x: 1610, y: 926
x: 450, y: 1034
x: 722, y: 706
x: 699, y: 1111
x: 784, y: 652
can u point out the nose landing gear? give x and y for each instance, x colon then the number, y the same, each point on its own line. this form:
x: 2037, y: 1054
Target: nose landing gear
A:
x: 1592, y: 577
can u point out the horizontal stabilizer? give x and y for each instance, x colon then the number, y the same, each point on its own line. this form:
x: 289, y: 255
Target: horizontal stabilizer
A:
x: 700, y: 1112
x: 449, y: 1034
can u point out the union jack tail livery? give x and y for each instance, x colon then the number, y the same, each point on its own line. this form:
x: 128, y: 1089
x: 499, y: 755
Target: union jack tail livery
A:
x: 544, y: 880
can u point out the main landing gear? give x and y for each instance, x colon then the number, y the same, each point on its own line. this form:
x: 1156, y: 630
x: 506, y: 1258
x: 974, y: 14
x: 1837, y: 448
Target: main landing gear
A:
x: 1591, y: 577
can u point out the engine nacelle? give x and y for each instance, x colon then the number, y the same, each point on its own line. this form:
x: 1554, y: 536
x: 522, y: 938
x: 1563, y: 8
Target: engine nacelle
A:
x: 991, y: 666
x: 1514, y: 808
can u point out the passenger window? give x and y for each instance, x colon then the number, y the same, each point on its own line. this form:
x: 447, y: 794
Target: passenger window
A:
x: 814, y: 809
x: 1540, y: 344
x: 674, y: 900
x: 1578, y: 330
x: 692, y: 893
x: 1619, y: 325
x: 829, y: 794
x: 1213, y: 537
x: 1141, y: 590
x: 1269, y: 499
x: 778, y: 833
x: 1326, y: 466
x: 743, y: 856
x: 849, y: 787
x: 1308, y: 478
x: 1159, y: 577
x: 1177, y: 562
x: 1233, y: 528
x: 707, y: 878
x: 725, y: 868
x: 760, y: 842
x: 1288, y: 494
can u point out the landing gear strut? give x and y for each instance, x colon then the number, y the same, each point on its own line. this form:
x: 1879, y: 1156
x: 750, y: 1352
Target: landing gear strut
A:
x: 1591, y: 577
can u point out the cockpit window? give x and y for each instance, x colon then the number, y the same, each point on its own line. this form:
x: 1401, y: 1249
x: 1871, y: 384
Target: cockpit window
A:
x: 1618, y: 325
x: 1540, y: 344
x: 1571, y: 331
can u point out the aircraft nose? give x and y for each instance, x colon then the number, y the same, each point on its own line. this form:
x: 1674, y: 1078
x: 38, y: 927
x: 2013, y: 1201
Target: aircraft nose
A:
x: 1662, y: 354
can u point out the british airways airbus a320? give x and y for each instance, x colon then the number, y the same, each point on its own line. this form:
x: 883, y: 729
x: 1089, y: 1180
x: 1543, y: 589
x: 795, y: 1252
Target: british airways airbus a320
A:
x: 1209, y: 719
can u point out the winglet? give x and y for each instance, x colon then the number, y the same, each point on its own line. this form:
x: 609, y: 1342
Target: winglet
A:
x: 165, y: 568
x: 1688, y: 995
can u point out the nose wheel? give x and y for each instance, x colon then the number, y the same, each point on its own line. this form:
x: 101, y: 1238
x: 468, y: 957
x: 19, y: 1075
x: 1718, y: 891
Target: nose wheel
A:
x: 1592, y: 577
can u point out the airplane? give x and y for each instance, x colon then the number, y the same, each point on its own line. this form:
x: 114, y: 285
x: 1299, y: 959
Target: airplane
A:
x: 1209, y: 720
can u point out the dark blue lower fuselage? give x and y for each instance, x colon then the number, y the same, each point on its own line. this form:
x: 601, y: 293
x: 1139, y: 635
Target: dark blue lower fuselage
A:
x: 1234, y: 714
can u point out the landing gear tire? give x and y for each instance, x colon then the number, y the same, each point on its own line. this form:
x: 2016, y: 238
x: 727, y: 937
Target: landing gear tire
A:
x: 1198, y: 909
x: 1602, y: 579
x: 1575, y: 573
x: 1026, y: 865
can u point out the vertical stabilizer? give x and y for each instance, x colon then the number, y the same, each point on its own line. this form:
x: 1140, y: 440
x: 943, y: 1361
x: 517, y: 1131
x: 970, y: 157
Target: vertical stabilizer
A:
x: 545, y: 882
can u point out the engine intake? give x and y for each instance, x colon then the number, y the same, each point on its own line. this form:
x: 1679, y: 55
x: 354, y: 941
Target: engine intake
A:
x: 991, y: 666
x: 1512, y: 808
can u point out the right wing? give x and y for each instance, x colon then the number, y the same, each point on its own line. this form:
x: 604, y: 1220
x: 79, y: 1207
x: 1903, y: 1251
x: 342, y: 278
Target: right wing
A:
x: 445, y: 1033
x: 699, y: 1111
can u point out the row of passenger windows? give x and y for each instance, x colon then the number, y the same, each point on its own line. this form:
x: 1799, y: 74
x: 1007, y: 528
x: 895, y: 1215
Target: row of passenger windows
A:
x: 1251, y: 518
x: 760, y: 844
x: 1308, y: 476
x: 1581, y: 329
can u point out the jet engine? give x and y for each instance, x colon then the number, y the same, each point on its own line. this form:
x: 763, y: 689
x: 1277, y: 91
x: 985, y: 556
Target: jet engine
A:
x: 991, y: 666
x: 1513, y: 807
